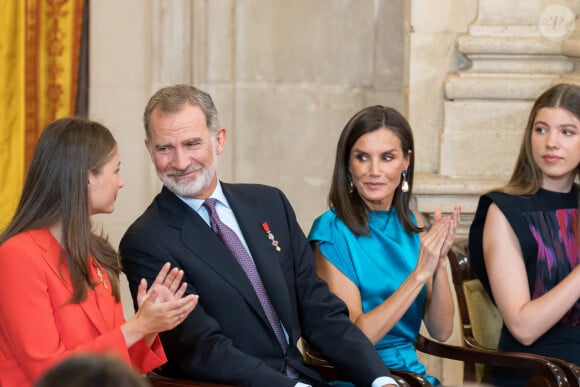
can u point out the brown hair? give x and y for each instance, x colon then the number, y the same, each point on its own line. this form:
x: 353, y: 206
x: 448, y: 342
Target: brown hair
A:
x: 92, y: 370
x: 350, y: 208
x: 526, y: 178
x: 56, y: 189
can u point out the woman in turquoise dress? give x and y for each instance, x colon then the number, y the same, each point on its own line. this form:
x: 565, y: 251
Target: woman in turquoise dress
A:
x: 373, y: 251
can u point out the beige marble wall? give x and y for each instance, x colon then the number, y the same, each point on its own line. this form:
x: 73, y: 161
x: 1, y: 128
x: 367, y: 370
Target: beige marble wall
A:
x: 287, y: 84
x: 119, y: 72
x: 119, y: 67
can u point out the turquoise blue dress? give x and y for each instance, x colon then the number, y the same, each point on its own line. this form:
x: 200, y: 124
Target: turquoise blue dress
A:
x: 378, y: 265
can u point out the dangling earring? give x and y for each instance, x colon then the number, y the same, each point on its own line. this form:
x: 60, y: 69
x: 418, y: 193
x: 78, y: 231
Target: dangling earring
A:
x: 405, y: 185
x: 350, y: 184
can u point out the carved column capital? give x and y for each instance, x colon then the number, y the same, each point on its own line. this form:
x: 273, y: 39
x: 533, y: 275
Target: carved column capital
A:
x: 514, y: 50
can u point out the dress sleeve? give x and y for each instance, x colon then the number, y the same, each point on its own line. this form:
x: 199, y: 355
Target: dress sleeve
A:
x: 476, y: 242
x: 333, y: 237
x: 145, y: 358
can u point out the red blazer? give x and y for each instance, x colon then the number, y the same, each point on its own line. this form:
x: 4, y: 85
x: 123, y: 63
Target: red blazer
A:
x: 38, y: 327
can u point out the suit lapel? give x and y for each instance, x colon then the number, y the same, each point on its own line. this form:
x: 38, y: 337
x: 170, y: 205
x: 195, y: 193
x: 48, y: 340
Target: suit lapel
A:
x: 250, y: 218
x: 52, y: 250
x: 198, y: 237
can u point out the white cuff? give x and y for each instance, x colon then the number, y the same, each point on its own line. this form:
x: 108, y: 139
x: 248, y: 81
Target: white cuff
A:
x: 381, y: 381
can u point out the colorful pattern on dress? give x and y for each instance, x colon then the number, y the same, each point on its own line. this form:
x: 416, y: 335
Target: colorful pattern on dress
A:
x: 556, y: 233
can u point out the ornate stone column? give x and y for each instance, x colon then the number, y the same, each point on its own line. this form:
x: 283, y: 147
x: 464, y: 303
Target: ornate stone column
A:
x: 515, y: 51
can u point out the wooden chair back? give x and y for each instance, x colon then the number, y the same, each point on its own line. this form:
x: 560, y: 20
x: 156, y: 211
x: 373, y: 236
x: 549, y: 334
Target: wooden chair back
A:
x: 481, y: 321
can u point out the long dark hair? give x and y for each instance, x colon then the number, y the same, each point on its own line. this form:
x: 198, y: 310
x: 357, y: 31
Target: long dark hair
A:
x: 350, y: 208
x: 56, y: 190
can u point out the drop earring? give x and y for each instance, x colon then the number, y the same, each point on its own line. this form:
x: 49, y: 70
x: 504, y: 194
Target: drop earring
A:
x: 405, y: 184
x: 350, y: 184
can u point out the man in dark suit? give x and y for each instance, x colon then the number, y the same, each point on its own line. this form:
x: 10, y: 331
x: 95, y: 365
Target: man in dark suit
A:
x: 245, y: 328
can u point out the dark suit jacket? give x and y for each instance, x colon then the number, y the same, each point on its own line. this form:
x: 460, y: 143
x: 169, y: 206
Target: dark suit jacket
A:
x: 227, y: 337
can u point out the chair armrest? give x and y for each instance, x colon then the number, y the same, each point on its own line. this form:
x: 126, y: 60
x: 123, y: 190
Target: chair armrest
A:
x: 403, y: 381
x: 314, y: 360
x: 157, y: 380
x: 571, y: 370
x: 540, y: 366
x: 412, y: 379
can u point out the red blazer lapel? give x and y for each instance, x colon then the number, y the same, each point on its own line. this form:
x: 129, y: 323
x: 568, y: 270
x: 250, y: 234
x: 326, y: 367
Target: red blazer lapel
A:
x: 51, y: 252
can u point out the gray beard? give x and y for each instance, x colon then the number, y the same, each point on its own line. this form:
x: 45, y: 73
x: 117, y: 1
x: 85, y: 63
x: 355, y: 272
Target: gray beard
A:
x: 189, y: 188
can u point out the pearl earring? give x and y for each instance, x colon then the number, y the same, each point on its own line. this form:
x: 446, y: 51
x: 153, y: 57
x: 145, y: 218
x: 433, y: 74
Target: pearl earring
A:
x: 405, y: 184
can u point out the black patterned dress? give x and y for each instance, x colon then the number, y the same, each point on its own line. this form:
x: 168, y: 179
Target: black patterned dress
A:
x: 546, y: 225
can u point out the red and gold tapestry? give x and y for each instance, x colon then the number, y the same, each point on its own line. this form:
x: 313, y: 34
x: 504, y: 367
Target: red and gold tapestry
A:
x: 40, y: 45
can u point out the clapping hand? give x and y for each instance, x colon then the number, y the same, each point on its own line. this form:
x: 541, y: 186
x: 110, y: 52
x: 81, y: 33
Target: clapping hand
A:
x: 453, y: 221
x: 432, y: 243
x: 161, y: 307
x: 168, y: 290
x: 169, y: 284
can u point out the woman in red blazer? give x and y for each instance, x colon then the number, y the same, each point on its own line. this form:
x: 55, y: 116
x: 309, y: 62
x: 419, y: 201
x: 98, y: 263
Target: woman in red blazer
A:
x: 59, y: 281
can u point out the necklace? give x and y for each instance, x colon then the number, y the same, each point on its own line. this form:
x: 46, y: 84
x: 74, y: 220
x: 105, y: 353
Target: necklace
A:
x: 100, y: 275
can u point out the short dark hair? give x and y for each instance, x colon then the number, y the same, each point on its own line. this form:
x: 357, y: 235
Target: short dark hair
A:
x: 172, y: 99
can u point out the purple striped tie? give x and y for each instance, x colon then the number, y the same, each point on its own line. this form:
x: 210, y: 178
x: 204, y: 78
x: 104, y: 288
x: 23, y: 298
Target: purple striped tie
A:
x: 233, y: 243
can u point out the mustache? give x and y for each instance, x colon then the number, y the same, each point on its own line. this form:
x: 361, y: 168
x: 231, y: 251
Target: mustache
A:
x: 183, y: 172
